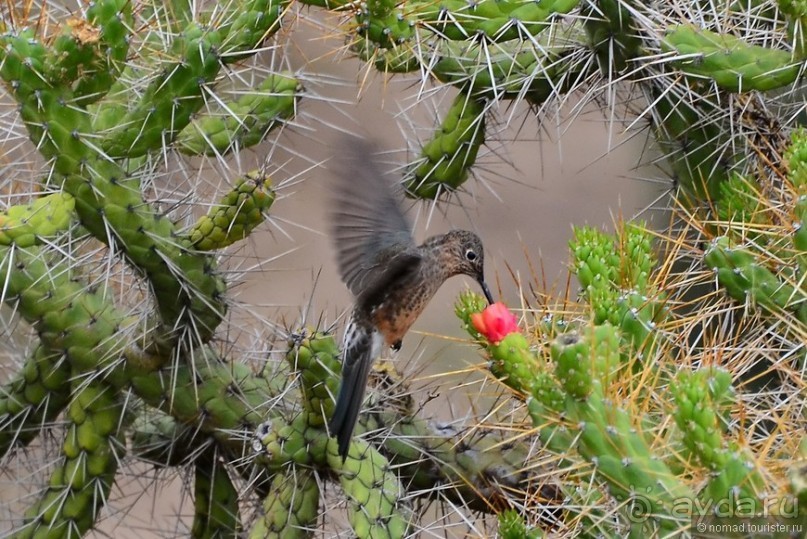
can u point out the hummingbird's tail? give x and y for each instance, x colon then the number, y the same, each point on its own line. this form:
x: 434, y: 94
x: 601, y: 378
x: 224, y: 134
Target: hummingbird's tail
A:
x: 360, y: 347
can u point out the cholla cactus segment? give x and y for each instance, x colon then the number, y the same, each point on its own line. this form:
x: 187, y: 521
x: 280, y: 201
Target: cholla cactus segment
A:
x: 70, y: 320
x: 512, y: 526
x: 25, y: 225
x: 215, y: 500
x: 596, y: 262
x: 586, y: 361
x: 468, y: 303
x: 33, y: 398
x: 599, y: 264
x: 216, y: 397
x: 280, y: 443
x: 376, y: 498
x: 611, y: 34
x: 291, y: 509
x: 639, y: 260
x: 702, y: 398
x: 166, y: 106
x: 80, y: 484
x: 514, y: 363
x: 386, y: 25
x: 254, y: 21
x: 55, y: 125
x: 730, y: 62
x: 511, y: 71
x: 236, y: 215
x: 795, y: 12
x: 89, y: 54
x: 738, y: 479
x: 447, y: 158
x: 745, y: 276
x: 741, y: 202
x: 243, y: 123
x: 315, y: 357
x: 796, y: 158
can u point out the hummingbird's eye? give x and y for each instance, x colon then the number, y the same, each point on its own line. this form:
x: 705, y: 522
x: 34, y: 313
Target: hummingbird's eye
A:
x: 470, y: 255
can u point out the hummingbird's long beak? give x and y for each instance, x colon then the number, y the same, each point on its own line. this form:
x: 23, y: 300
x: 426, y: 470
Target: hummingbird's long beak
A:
x: 486, y: 291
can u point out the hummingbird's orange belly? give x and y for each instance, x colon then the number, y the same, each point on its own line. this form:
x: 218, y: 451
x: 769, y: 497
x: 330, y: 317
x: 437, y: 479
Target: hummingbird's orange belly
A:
x: 393, y: 323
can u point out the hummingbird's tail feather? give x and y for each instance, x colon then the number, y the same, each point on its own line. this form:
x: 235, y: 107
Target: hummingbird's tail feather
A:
x: 360, y: 347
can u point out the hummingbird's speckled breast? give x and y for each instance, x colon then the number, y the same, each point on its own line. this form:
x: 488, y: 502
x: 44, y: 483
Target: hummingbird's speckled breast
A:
x: 403, y: 301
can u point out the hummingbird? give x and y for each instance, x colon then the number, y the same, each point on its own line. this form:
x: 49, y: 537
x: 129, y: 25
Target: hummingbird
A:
x: 390, y: 277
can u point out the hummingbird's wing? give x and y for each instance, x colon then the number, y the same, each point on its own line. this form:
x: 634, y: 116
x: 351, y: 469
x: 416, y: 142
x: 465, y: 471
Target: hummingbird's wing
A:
x: 373, y: 239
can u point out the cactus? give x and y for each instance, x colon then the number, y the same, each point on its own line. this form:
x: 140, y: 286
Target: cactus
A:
x: 238, y: 213
x: 645, y: 392
x: 447, y: 158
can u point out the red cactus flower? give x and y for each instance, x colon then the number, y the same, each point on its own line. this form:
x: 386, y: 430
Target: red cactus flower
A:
x: 495, y: 322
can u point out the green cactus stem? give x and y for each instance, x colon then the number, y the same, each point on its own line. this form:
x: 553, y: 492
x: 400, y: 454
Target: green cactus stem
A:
x: 498, y: 21
x: 446, y: 159
x: 316, y: 357
x: 89, y: 54
x: 701, y: 398
x: 291, y: 509
x: 243, y: 123
x: 80, y: 483
x: 236, y: 215
x: 744, y: 276
x: 728, y: 61
x: 376, y: 497
x: 33, y: 398
x: 170, y: 99
x: 611, y: 34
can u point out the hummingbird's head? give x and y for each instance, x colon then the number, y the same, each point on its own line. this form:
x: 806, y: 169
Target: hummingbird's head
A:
x: 468, y: 257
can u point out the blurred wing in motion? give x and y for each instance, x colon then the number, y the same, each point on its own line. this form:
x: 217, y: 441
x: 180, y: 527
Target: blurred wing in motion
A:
x: 368, y: 228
